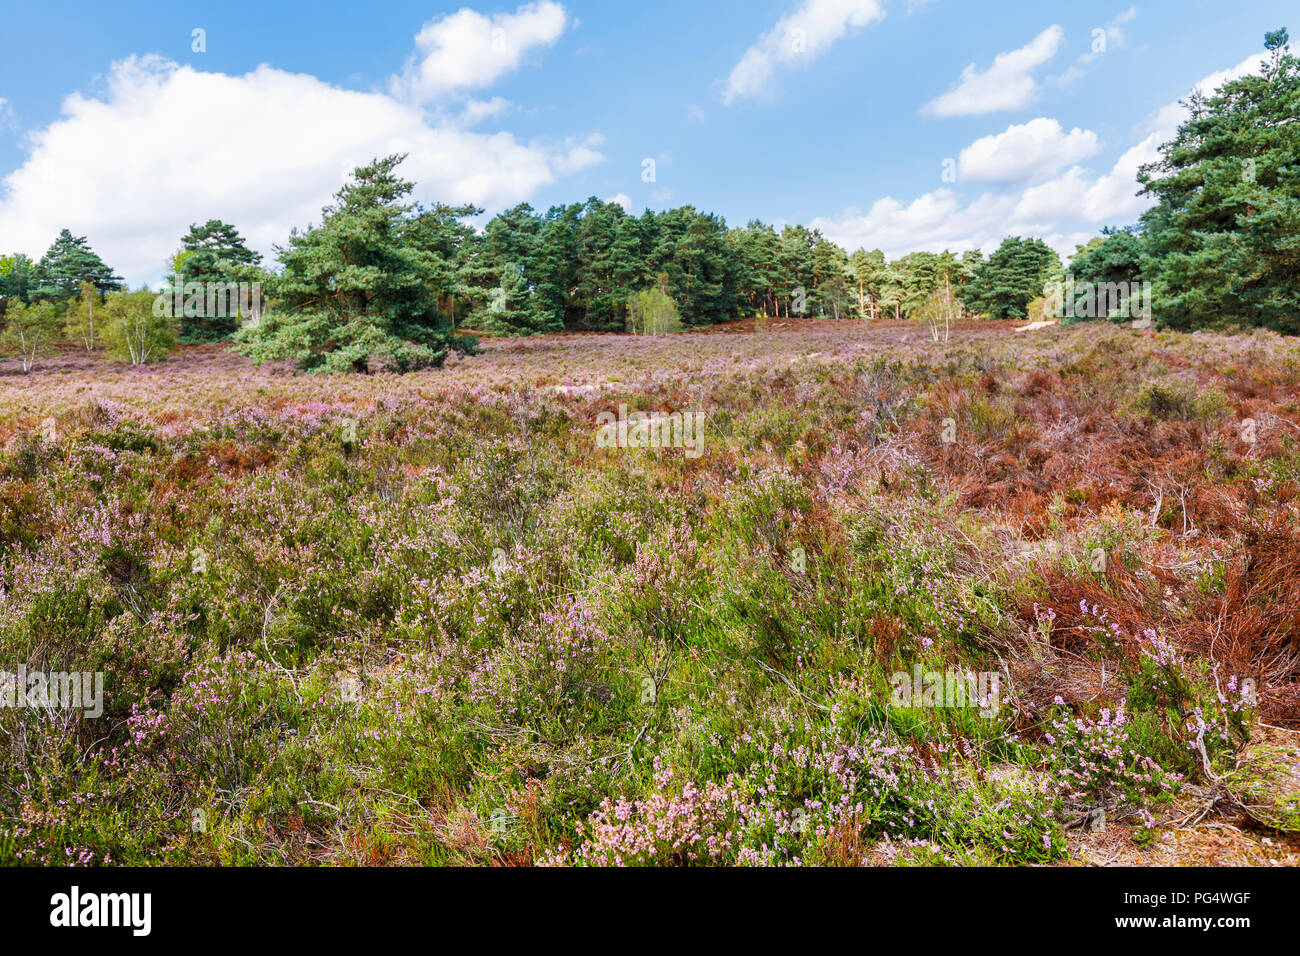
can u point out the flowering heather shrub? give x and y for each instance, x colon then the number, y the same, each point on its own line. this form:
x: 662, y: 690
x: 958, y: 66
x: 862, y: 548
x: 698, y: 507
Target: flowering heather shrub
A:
x: 1204, y: 715
x: 690, y: 827
x: 426, y: 619
x: 813, y: 802
x: 1098, y: 758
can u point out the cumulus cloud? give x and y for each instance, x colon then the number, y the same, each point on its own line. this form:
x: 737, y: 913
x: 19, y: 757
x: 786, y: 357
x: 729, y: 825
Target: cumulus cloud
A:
x: 623, y: 199
x: 932, y: 223
x: 476, y: 111
x: 1167, y: 119
x: 803, y: 34
x: 467, y: 50
x: 1064, y: 210
x: 167, y: 145
x: 1103, y: 40
x: 1008, y: 84
x: 578, y: 154
x: 1029, y: 151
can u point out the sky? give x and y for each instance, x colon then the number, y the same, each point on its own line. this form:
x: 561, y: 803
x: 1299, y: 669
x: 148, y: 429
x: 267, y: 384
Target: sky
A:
x: 891, y: 124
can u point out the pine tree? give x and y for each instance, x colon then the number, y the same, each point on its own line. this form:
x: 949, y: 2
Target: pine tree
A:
x: 66, y: 264
x: 553, y: 271
x: 868, y: 271
x: 1222, y: 244
x: 362, y: 289
x: 214, y: 252
x: 1011, y: 278
x: 830, y: 277
x: 1113, y: 258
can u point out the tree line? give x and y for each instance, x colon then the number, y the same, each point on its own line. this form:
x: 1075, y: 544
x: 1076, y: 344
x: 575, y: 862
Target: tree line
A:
x: 384, y: 281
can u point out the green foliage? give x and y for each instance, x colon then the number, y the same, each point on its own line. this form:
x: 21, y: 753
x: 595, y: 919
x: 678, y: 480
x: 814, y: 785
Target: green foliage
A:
x: 17, y: 278
x: 508, y: 310
x: 137, y: 331
x: 1004, y: 285
x: 578, y: 264
x: 830, y: 277
x: 66, y: 264
x: 652, y: 311
x: 1222, y: 247
x: 213, y: 252
x: 83, y: 321
x: 1263, y: 782
x: 362, y: 289
x: 1115, y: 259
x: 1174, y: 400
x: 30, y: 331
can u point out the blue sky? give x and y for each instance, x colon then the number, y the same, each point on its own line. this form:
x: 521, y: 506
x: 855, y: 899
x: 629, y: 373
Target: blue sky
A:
x: 897, y: 124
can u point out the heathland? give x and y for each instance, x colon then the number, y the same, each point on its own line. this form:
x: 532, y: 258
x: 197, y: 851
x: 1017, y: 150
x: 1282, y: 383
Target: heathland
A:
x: 429, y: 618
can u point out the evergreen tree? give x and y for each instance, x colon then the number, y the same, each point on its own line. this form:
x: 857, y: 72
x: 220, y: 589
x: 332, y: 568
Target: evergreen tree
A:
x: 1222, y: 243
x: 1114, y: 258
x: 691, y: 248
x: 795, y: 258
x: 604, y: 280
x: 214, y: 252
x: 509, y: 309
x: 553, y: 271
x: 867, y: 270
x: 830, y: 278
x: 1011, y: 278
x: 361, y: 289
x: 66, y: 264
x: 495, y: 272
x: 442, y: 231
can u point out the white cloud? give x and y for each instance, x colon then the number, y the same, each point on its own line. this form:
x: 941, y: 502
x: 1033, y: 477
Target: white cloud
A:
x: 940, y: 221
x: 1167, y: 119
x: 467, y: 50
x: 476, y: 111
x: 623, y: 199
x: 1102, y: 40
x: 168, y: 145
x: 1064, y: 211
x: 1028, y: 151
x: 1006, y: 85
x: 579, y: 154
x: 807, y: 32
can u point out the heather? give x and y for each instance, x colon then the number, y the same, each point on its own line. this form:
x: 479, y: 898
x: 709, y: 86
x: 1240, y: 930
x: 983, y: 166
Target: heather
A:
x: 427, y: 619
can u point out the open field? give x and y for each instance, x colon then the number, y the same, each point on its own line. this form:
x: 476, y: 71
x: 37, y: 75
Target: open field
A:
x: 427, y: 619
